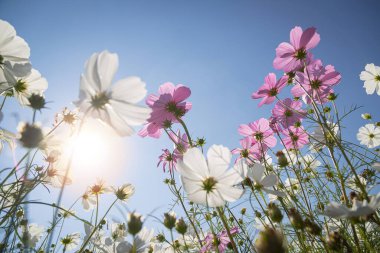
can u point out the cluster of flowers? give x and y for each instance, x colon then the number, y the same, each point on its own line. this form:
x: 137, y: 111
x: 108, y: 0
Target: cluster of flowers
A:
x: 317, y: 193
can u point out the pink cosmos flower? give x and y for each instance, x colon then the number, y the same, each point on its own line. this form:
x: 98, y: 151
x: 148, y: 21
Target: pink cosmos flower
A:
x: 167, y: 159
x: 270, y: 89
x: 167, y: 107
x: 295, y: 137
x: 291, y: 57
x: 288, y: 112
x: 222, y: 241
x: 181, y: 143
x: 260, y: 133
x: 250, y: 153
x: 316, y: 82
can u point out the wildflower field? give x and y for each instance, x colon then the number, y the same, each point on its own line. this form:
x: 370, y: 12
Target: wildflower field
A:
x: 301, y: 177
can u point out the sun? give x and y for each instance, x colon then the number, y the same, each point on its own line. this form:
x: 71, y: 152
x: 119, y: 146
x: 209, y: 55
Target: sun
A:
x: 97, y: 153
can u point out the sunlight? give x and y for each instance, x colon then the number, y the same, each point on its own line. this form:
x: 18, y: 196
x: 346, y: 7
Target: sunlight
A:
x: 97, y: 153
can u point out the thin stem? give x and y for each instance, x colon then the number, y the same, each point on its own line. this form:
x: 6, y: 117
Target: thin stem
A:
x: 224, y: 221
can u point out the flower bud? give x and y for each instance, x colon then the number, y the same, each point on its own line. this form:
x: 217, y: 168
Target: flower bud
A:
x: 201, y: 142
x: 366, y: 116
x: 181, y: 226
x: 270, y: 241
x: 36, y: 102
x: 160, y: 238
x: 334, y: 241
x: 296, y: 219
x: 134, y: 223
x: 274, y: 213
x: 312, y: 227
x: 243, y: 211
x: 332, y: 97
x: 31, y: 135
x: 169, y: 220
x: 125, y: 192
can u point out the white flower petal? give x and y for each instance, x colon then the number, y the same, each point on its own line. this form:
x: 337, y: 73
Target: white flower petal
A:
x: 256, y: 172
x: 269, y: 180
x: 106, y: 65
x: 218, y: 159
x: 131, y: 90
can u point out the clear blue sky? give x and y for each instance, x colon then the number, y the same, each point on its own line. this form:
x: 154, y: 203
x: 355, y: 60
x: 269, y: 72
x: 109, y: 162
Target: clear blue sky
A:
x: 222, y: 50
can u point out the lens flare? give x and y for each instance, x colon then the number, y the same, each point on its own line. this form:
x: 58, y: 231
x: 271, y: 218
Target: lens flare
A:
x: 97, y: 153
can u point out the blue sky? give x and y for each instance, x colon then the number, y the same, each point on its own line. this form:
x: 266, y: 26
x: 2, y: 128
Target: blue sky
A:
x: 222, y: 50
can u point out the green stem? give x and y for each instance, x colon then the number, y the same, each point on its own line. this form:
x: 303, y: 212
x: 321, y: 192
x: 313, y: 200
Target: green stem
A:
x: 224, y: 221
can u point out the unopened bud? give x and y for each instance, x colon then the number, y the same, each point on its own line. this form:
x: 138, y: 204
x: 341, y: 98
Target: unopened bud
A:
x: 181, y: 226
x: 366, y: 116
x: 134, y: 223
x: 270, y: 241
x: 31, y: 136
x: 312, y: 227
x: 296, y: 219
x: 36, y: 102
x: 334, y: 241
x: 169, y: 220
x: 274, y: 213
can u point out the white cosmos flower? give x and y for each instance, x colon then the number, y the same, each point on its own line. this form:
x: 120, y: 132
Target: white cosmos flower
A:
x: 310, y: 162
x: 292, y: 185
x: 118, y: 231
x: 114, y: 105
x: 55, y: 175
x: 32, y: 233
x: 209, y: 182
x: 318, y: 138
x: 23, y: 87
x: 14, y: 54
x: 88, y: 200
x: 141, y: 242
x: 260, y: 180
x: 359, y: 208
x: 371, y: 78
x: 71, y: 241
x: 369, y: 135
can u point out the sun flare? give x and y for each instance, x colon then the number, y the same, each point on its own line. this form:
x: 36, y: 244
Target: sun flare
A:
x: 97, y: 153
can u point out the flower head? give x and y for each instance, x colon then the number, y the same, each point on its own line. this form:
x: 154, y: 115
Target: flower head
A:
x: 115, y: 105
x: 369, y: 135
x: 248, y: 152
x: 292, y: 56
x: 124, y: 192
x: 260, y: 133
x: 295, y: 137
x: 99, y: 188
x: 88, y: 201
x: 325, y: 135
x: 260, y: 180
x: 371, y: 78
x: 316, y: 82
x: 288, y: 112
x: 32, y: 233
x: 209, y: 183
x: 221, y: 241
x: 70, y: 241
x: 22, y: 88
x: 167, y: 159
x: 167, y: 108
x: 270, y: 89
